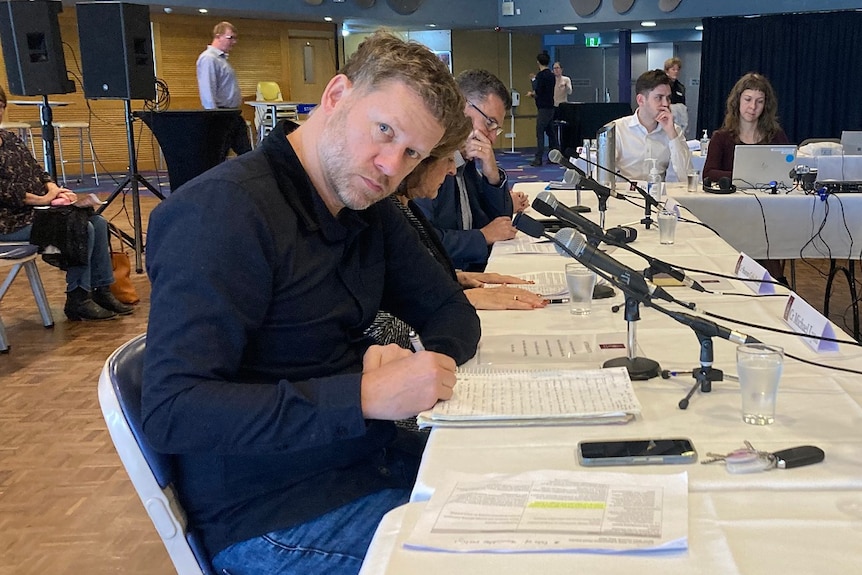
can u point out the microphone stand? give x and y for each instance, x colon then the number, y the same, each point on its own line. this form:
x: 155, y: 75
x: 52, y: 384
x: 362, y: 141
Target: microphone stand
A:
x: 647, y: 220
x: 639, y: 368
x: 705, y: 374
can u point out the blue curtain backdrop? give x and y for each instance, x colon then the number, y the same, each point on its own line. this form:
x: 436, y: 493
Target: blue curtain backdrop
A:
x: 812, y: 61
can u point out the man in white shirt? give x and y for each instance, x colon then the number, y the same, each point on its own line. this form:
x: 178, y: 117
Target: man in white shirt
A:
x: 562, y: 87
x: 218, y: 86
x: 650, y: 134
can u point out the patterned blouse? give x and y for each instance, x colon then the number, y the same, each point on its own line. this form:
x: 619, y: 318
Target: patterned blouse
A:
x: 386, y: 328
x: 20, y: 174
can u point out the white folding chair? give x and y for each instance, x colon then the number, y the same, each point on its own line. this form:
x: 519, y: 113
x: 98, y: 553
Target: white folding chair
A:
x: 17, y: 255
x: 151, y: 472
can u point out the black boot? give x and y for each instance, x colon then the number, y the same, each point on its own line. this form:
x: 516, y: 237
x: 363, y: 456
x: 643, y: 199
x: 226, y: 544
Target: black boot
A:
x: 80, y: 306
x: 103, y: 296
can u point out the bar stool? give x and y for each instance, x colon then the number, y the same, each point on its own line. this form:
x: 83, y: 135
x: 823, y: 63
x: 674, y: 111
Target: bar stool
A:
x: 81, y: 127
x: 16, y: 256
x: 25, y: 132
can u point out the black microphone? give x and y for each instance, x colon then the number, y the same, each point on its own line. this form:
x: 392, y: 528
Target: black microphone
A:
x: 576, y: 246
x: 558, y: 158
x: 709, y: 328
x: 649, y: 199
x: 530, y: 226
x: 547, y: 204
x: 576, y: 177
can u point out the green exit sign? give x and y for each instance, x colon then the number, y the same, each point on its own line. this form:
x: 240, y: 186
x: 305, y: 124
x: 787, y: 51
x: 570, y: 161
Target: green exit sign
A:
x: 592, y: 41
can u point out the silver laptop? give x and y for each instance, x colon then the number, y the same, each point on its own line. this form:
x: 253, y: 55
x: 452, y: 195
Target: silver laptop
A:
x: 757, y: 166
x: 852, y: 143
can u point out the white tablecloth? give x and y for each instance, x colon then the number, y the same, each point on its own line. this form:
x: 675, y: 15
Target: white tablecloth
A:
x: 804, y: 520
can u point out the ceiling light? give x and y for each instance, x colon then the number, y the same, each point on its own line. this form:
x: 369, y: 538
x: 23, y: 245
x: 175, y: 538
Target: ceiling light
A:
x: 648, y: 24
x: 203, y: 10
x: 432, y: 25
x: 570, y: 28
x: 699, y: 27
x: 327, y: 18
x: 168, y: 9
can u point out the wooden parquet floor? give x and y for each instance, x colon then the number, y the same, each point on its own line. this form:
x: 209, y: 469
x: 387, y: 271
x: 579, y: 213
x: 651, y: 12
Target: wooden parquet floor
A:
x: 66, y: 504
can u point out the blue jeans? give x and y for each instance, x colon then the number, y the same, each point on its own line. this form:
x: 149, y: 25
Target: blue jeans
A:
x: 98, y: 272
x: 334, y: 543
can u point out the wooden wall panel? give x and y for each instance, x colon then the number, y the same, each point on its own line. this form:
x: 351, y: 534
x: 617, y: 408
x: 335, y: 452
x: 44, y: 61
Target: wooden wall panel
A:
x: 262, y: 53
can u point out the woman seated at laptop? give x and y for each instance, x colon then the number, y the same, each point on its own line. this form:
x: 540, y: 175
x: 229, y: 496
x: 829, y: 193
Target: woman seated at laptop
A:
x: 751, y: 118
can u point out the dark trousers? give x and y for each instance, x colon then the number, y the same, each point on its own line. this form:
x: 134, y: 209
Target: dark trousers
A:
x: 237, y: 138
x: 545, y: 125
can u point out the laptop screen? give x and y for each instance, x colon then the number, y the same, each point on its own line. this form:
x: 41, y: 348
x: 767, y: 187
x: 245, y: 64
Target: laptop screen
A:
x: 756, y: 166
x: 852, y: 143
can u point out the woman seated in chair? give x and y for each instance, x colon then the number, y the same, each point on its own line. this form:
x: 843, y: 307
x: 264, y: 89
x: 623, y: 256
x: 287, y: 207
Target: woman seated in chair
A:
x: 751, y: 118
x: 23, y: 185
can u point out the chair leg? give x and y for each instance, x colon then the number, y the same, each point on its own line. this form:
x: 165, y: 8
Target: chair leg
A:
x: 39, y: 293
x: 92, y: 158
x: 59, y: 140
x: 4, y: 345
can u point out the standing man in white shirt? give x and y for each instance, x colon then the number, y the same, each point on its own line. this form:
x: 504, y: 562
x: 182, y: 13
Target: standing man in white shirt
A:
x: 650, y: 133
x: 218, y: 85
x: 562, y: 87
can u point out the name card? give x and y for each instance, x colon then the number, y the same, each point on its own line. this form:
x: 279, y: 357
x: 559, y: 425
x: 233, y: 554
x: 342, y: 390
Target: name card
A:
x: 751, y: 273
x: 806, y: 320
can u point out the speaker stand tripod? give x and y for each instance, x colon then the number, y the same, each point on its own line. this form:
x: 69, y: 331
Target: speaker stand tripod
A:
x: 133, y: 179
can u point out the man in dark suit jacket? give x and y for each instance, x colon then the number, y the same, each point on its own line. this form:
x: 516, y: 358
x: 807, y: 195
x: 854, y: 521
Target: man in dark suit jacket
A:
x: 474, y: 207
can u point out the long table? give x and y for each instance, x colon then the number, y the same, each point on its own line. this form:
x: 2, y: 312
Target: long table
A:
x: 804, y: 520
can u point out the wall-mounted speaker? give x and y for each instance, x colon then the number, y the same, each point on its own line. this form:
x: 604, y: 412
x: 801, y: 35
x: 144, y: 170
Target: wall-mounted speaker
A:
x: 116, y: 50
x: 33, y: 49
x: 668, y: 5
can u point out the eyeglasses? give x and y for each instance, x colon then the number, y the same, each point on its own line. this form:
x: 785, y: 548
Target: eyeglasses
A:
x: 490, y: 123
x: 229, y: 37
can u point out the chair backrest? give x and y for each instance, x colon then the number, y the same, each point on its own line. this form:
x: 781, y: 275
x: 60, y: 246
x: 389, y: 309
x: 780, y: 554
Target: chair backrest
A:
x: 269, y: 91
x: 151, y: 472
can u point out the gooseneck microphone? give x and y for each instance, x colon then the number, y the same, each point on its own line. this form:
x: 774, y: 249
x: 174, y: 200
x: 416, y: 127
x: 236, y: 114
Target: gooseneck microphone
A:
x: 648, y: 198
x: 576, y: 177
x: 577, y: 246
x: 547, y: 204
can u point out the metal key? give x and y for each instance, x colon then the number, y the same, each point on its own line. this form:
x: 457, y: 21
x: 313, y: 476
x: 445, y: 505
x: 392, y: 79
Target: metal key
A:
x: 745, y: 460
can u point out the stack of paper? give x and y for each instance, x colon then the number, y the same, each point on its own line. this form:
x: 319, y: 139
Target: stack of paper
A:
x: 559, y: 397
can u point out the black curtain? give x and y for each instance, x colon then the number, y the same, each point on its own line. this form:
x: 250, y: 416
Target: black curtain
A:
x: 811, y: 60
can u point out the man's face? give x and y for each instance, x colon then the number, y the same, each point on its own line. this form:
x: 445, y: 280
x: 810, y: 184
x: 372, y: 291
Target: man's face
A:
x: 372, y: 140
x: 483, y: 112
x: 558, y: 70
x: 653, y: 102
x: 226, y: 40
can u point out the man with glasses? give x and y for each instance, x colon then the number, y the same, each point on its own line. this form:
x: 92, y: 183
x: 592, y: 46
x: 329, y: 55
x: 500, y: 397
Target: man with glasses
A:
x: 218, y: 86
x: 650, y: 133
x: 474, y: 207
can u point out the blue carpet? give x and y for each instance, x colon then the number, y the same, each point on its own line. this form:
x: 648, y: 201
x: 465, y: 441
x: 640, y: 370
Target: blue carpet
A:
x: 517, y: 166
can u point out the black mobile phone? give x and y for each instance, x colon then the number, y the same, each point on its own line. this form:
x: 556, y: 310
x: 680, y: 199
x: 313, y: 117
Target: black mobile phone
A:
x: 636, y: 452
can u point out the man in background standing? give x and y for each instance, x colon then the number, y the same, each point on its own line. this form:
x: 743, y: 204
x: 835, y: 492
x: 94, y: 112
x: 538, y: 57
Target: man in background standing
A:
x: 218, y: 86
x: 543, y: 92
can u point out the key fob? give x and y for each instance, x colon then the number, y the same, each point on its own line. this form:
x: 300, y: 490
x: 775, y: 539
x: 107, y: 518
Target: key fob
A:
x: 798, y: 456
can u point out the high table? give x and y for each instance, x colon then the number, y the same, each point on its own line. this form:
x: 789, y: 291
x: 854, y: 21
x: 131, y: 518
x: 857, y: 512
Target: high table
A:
x: 804, y: 520
x: 791, y: 225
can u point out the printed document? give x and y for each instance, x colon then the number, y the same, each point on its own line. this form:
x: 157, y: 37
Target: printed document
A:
x: 555, y: 511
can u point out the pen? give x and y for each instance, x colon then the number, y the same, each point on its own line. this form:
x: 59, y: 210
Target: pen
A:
x: 559, y: 300
x: 415, y: 341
